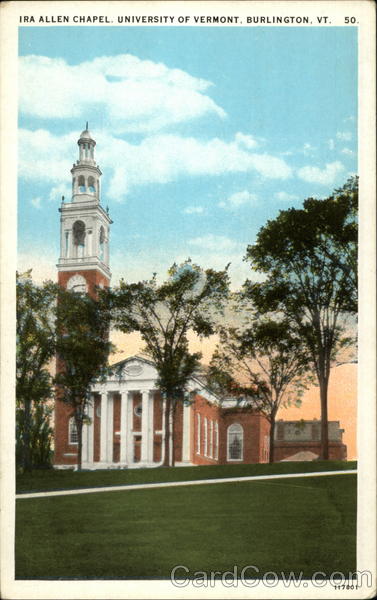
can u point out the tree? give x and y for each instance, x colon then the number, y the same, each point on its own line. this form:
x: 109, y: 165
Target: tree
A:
x: 308, y: 256
x: 35, y: 349
x: 82, y: 349
x: 264, y: 364
x: 190, y: 299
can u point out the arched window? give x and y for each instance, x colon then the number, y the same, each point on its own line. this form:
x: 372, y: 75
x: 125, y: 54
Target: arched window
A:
x: 91, y: 185
x: 79, y: 238
x: 235, y: 442
x: 81, y: 183
x: 72, y: 431
x: 101, y: 242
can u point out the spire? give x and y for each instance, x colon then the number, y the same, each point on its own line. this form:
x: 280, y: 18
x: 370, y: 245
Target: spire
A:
x: 87, y: 126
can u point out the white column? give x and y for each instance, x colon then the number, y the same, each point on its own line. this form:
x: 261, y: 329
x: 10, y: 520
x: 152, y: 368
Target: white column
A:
x: 124, y: 438
x: 211, y: 439
x: 90, y: 242
x: 163, y: 431
x: 171, y: 434
x: 186, y: 432
x: 216, y: 440
x: 84, y: 450
x: 145, y: 426
x: 150, y: 427
x: 67, y: 245
x: 103, y: 441
x: 130, y: 436
x: 91, y: 433
x: 110, y: 428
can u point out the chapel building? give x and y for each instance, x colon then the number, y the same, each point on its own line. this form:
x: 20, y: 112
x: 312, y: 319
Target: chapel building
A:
x: 126, y: 415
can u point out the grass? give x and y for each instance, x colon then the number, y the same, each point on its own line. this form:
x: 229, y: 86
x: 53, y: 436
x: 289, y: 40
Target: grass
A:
x: 302, y: 524
x: 61, y: 480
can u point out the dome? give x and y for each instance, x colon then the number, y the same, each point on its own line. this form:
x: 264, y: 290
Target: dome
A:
x: 86, y: 135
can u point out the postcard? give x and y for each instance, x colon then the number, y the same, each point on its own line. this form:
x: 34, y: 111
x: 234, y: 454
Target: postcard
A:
x: 188, y: 347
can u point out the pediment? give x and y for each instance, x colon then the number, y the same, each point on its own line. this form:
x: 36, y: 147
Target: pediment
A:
x: 134, y: 367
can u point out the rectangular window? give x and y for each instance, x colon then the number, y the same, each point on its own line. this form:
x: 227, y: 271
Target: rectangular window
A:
x: 216, y: 452
x: 72, y: 432
x: 198, y: 440
x: 211, y: 439
x: 205, y: 436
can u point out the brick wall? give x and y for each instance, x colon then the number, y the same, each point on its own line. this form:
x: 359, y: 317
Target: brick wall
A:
x: 208, y: 411
x: 93, y: 278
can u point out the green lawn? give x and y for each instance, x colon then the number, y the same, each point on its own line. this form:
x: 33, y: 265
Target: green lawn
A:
x: 61, y: 480
x: 303, y: 524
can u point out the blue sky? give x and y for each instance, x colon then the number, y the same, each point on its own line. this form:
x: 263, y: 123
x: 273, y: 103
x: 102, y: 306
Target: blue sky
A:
x: 202, y: 135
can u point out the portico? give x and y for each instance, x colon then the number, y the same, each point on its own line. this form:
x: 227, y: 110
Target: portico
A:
x: 126, y: 420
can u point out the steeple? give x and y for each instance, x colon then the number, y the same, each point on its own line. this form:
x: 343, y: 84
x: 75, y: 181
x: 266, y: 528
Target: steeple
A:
x: 86, y: 173
x: 85, y: 225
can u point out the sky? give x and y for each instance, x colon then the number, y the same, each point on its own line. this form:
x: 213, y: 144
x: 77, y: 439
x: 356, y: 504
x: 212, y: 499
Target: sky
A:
x: 203, y: 134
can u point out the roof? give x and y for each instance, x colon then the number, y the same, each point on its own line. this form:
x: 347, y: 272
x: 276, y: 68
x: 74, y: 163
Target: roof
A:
x: 195, y: 381
x: 86, y: 135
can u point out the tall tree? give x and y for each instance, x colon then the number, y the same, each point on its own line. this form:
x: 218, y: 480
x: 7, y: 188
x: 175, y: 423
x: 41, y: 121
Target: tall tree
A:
x: 308, y: 257
x: 35, y: 349
x: 265, y: 365
x: 190, y: 299
x: 83, y: 348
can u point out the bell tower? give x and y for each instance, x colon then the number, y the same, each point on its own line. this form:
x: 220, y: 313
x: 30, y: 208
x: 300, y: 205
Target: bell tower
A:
x: 84, y: 226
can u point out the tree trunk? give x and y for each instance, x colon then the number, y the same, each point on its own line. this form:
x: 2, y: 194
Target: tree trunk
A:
x: 323, y: 387
x: 79, y: 444
x: 166, y: 462
x: 272, y: 440
x: 26, y: 436
x: 174, y: 404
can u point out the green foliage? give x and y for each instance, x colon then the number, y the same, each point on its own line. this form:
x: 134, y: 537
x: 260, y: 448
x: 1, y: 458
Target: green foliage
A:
x: 41, y: 435
x: 35, y: 349
x: 264, y: 364
x: 309, y: 258
x: 190, y: 299
x: 82, y: 346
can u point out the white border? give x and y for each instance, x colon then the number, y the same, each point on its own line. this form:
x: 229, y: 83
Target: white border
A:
x: 364, y: 11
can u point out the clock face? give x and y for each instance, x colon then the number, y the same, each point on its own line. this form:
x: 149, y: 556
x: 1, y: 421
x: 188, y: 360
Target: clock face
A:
x: 77, y: 283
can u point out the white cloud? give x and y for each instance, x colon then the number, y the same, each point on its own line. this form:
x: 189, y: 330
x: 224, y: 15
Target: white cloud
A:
x: 285, y: 197
x: 193, y: 210
x: 132, y: 94
x: 331, y: 144
x: 58, y: 191
x: 216, y: 251
x: 344, y: 136
x: 214, y: 242
x: 347, y: 152
x: 157, y: 159
x: 325, y: 176
x: 36, y: 202
x: 238, y: 199
x: 308, y: 149
x: 246, y: 140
